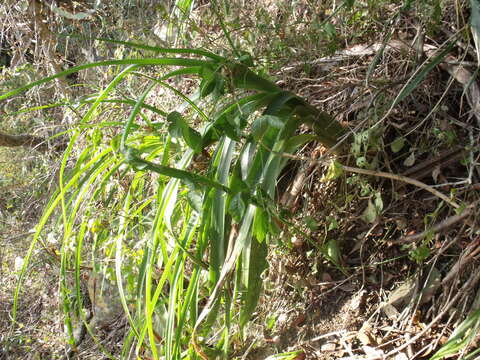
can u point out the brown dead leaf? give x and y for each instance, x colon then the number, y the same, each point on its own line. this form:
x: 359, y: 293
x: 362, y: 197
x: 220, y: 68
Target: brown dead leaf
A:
x: 326, y: 277
x: 402, y: 295
x: 299, y: 320
x: 365, y: 334
x: 300, y: 356
x: 432, y: 285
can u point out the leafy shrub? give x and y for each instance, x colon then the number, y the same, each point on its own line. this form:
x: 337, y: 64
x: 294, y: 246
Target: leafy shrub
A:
x: 187, y: 246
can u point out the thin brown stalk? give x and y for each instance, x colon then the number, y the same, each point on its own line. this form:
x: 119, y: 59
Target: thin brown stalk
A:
x: 445, y: 224
x: 402, y: 179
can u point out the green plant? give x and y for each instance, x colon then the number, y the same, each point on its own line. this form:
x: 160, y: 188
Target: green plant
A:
x: 175, y: 236
x: 461, y: 338
x: 291, y: 355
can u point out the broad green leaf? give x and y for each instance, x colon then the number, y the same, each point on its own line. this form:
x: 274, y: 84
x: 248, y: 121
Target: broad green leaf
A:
x: 335, y: 170
x: 475, y: 25
x: 332, y: 223
x: 232, y: 131
x: 370, y: 213
x: 463, y: 335
x: 211, y: 81
x: 311, y: 223
x: 195, y: 198
x: 362, y: 162
x: 274, y: 121
x: 420, y: 254
x: 175, y: 131
x: 193, y: 139
x: 410, y: 160
x: 279, y: 102
x: 378, y: 202
x: 244, y: 78
x: 260, y: 225
x: 296, y: 141
x: 330, y: 30
x: 246, y: 58
x: 397, y: 144
x: 178, y: 126
x: 262, y: 123
x: 255, y: 266
x: 332, y: 250
x: 216, y: 222
x: 207, y: 84
x: 237, y: 207
x: 243, y: 108
x: 237, y: 185
x: 115, y: 142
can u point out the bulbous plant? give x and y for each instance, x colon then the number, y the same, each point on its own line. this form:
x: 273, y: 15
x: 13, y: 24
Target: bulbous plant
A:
x: 188, y: 246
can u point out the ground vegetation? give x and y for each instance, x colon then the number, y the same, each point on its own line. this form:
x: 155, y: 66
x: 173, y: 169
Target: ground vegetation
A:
x: 239, y: 180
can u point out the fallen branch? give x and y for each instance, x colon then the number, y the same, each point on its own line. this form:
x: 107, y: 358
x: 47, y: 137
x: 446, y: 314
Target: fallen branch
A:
x: 371, y: 173
x: 403, y: 179
x: 31, y: 141
x: 468, y: 255
x: 445, y: 224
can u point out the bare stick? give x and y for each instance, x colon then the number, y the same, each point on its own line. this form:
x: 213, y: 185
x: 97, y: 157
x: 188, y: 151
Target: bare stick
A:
x: 383, y: 174
x: 445, y: 224
x: 403, y: 179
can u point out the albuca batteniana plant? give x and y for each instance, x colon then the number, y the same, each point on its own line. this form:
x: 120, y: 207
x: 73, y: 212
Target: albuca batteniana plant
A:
x: 186, y: 246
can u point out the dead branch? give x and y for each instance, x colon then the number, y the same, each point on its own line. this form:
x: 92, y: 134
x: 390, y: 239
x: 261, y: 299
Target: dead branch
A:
x: 445, y: 224
x: 30, y: 141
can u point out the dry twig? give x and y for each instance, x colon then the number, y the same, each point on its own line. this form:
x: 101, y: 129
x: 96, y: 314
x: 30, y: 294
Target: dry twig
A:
x: 445, y: 224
